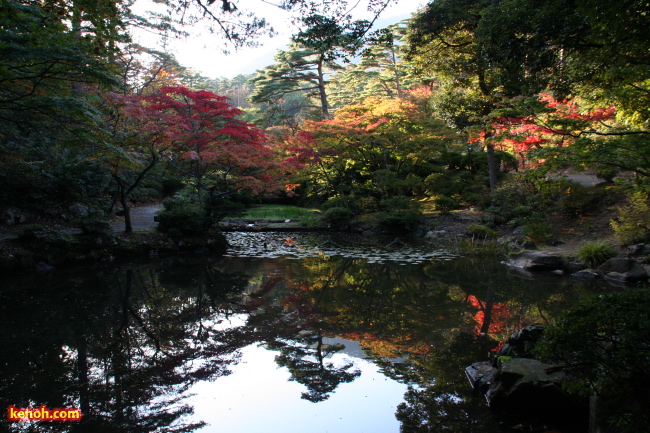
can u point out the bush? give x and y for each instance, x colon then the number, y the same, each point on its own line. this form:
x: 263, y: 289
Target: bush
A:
x: 576, y: 199
x: 595, y: 254
x: 367, y: 205
x: 482, y: 232
x: 220, y: 208
x: 633, y: 224
x: 144, y: 195
x: 436, y: 183
x: 180, y: 199
x: 185, y: 220
x: 339, y: 201
x: 95, y: 226
x: 414, y: 184
x: 31, y: 231
x: 537, y: 230
x: 171, y: 186
x: 515, y: 201
x: 338, y: 216
x: 399, y: 214
x: 604, y: 344
x: 445, y: 204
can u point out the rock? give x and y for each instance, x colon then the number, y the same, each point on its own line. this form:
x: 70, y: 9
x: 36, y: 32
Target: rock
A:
x: 435, y: 234
x: 622, y: 269
x: 42, y: 267
x: 639, y: 250
x: 481, y: 375
x: 573, y: 267
x: 525, y: 385
x: 529, y: 245
x: 518, y: 231
x: 587, y: 274
x: 536, y: 261
x: 12, y: 217
x: 78, y: 210
x: 522, y: 343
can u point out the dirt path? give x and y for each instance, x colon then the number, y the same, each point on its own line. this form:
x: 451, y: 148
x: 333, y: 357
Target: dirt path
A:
x: 141, y: 218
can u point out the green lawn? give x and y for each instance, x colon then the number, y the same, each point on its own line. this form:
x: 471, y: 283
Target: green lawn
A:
x: 280, y: 212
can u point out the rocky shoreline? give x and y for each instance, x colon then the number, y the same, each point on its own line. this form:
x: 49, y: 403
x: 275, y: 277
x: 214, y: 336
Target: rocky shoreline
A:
x: 61, y: 246
x: 514, y: 382
x: 624, y: 269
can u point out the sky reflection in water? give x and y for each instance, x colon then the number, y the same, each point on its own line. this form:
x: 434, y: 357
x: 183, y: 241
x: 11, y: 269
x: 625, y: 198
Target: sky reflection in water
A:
x: 283, y: 334
x: 259, y: 397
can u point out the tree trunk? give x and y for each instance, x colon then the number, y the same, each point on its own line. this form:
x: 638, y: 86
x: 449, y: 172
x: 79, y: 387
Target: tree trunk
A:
x: 398, y: 86
x: 128, y: 227
x: 123, y: 194
x: 492, y: 167
x: 321, y: 89
x: 199, y: 185
x: 487, y: 311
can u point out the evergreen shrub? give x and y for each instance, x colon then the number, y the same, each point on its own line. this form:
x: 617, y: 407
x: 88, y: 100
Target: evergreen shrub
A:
x: 445, y: 204
x: 482, y: 232
x: 604, y: 346
x: 633, y: 223
x: 399, y: 214
x: 187, y: 220
x: 338, y: 216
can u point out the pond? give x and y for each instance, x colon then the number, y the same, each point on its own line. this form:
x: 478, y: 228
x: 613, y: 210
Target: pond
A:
x: 284, y: 333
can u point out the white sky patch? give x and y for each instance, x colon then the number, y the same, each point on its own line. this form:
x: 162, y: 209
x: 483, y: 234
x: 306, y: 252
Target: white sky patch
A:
x: 258, y: 397
x: 202, y: 51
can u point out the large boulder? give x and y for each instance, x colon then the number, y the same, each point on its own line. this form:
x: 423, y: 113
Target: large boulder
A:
x: 77, y: 210
x: 516, y: 384
x: 522, y: 343
x: 536, y: 261
x: 622, y: 269
x: 481, y: 375
x: 639, y: 250
x: 528, y: 386
x: 13, y: 217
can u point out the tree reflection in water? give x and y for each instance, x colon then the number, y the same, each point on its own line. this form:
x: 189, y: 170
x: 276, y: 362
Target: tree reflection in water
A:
x: 122, y: 345
x: 125, y: 344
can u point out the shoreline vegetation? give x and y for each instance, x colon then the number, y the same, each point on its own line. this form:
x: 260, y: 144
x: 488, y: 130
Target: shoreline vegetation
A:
x: 43, y: 246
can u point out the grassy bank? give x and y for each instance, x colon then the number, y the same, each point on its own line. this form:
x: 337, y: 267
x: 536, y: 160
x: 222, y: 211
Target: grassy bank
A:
x: 281, y: 212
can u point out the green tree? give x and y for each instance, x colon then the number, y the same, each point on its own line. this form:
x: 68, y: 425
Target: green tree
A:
x: 379, y: 73
x: 368, y: 149
x: 55, y: 58
x: 444, y: 41
x: 312, y: 55
x: 240, y: 24
x: 490, y: 54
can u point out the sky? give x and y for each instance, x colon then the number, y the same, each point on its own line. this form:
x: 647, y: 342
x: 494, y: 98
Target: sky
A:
x: 201, y: 51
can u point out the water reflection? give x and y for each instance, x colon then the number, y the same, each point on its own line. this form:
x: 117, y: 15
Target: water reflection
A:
x: 130, y: 344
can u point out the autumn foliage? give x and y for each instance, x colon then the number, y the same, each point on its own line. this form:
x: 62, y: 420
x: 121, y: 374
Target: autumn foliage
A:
x: 211, y: 145
x: 555, y: 123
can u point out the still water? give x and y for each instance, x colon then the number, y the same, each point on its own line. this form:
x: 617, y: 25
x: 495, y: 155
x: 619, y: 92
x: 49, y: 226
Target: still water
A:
x: 284, y: 333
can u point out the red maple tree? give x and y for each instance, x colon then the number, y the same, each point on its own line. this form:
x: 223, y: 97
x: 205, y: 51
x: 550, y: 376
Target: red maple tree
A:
x: 221, y: 153
x: 558, y: 123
